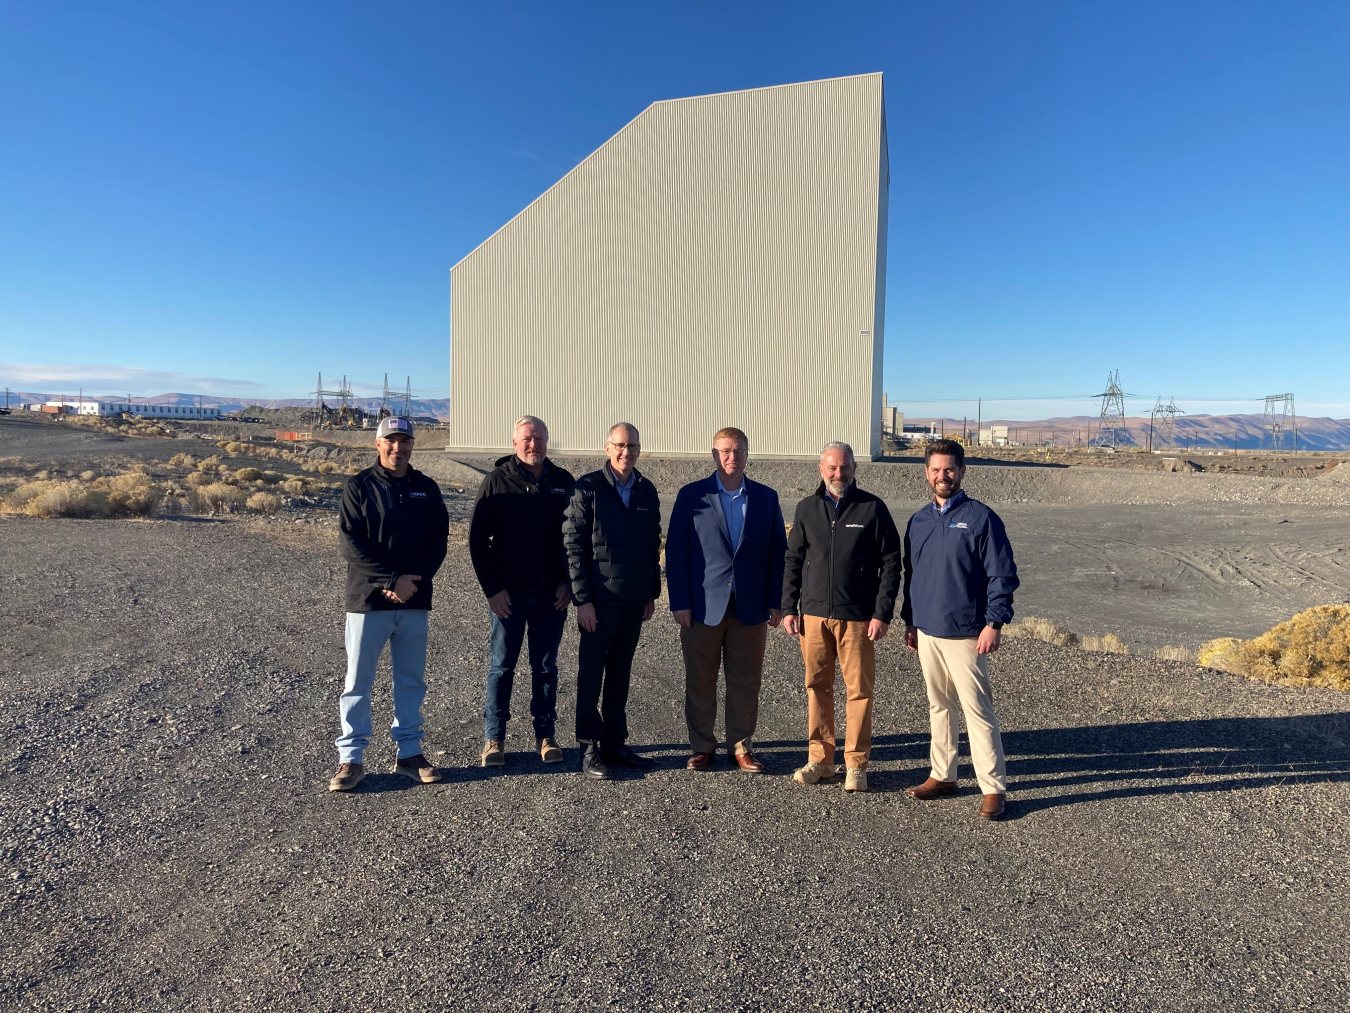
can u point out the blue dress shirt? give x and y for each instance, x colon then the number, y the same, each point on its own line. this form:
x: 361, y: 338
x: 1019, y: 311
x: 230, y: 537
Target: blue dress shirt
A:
x: 625, y: 491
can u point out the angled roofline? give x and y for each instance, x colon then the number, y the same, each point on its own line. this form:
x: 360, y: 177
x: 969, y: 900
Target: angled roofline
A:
x: 687, y: 98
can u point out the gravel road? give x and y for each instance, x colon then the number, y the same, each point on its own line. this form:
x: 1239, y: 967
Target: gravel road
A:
x: 1177, y: 838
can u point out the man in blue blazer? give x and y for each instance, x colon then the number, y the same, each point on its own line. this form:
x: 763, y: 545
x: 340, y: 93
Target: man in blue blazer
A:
x: 724, y: 571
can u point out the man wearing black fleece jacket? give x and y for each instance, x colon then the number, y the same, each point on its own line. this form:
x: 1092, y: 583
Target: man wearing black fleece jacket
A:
x: 393, y: 528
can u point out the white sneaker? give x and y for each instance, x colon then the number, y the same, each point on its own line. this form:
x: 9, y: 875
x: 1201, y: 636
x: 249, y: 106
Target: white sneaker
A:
x: 855, y: 779
x: 814, y: 773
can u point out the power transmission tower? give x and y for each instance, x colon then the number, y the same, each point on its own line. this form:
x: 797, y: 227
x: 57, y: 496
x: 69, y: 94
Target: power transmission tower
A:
x: 385, y: 412
x: 1279, y: 426
x: 1111, y: 426
x: 407, y: 401
x: 320, y: 414
x: 1162, y: 425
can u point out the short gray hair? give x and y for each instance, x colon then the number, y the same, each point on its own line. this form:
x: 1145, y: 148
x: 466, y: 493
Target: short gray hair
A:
x: 623, y: 425
x: 529, y: 420
x: 837, y: 445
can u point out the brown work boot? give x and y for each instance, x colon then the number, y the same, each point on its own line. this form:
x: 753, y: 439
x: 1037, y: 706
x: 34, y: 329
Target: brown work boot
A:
x: 932, y: 788
x: 418, y: 769
x: 993, y: 805
x: 548, y: 750
x: 493, y: 753
x: 348, y: 776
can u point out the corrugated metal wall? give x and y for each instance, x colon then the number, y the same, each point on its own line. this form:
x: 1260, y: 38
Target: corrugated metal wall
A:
x: 718, y: 262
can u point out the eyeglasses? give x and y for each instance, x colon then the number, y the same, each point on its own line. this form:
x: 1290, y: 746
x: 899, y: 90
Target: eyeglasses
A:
x: 621, y: 447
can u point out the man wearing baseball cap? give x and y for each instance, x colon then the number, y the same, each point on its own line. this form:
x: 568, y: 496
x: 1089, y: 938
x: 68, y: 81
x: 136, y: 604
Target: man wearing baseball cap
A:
x: 393, y: 527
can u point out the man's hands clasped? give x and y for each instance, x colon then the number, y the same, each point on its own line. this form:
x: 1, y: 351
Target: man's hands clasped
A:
x: 404, y: 588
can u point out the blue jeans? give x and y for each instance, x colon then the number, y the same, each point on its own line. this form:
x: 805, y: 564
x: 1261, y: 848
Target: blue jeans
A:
x: 533, y: 613
x: 405, y: 631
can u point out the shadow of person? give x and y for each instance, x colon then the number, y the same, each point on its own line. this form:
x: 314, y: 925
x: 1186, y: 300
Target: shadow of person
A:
x: 1172, y: 758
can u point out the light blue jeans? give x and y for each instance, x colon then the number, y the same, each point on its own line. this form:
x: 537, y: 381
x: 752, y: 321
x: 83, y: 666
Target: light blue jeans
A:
x: 405, y: 631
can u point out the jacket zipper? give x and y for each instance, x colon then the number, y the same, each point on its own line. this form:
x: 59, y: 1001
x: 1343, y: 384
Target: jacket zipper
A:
x: 834, y: 516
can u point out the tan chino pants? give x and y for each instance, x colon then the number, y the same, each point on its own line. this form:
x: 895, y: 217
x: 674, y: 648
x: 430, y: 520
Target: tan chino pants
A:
x: 824, y: 640
x: 956, y: 673
x: 739, y: 650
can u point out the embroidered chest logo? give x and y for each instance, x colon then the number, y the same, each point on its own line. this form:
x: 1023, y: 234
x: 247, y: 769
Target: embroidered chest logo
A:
x: 855, y: 525
x: 560, y: 492
x: 958, y: 524
x: 417, y: 495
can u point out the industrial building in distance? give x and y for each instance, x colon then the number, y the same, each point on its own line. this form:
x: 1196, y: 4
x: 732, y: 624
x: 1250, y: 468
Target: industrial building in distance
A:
x: 720, y: 261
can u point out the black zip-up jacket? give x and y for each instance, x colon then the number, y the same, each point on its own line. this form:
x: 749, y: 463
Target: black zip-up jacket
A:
x: 515, y: 537
x: 388, y: 527
x: 845, y: 563
x: 613, y: 551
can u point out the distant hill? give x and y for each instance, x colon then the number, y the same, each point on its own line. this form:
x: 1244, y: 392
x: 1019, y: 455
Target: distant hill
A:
x: 434, y: 407
x: 1198, y: 431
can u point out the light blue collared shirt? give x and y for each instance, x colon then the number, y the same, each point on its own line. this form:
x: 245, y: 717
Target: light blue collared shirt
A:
x: 625, y: 491
x: 733, y: 507
x: 960, y: 495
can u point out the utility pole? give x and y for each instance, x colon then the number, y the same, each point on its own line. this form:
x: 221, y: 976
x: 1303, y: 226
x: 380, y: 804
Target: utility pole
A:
x: 979, y: 419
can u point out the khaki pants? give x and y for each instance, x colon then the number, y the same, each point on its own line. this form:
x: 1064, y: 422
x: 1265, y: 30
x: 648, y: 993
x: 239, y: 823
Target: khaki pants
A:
x: 740, y: 650
x: 824, y: 640
x: 955, y: 672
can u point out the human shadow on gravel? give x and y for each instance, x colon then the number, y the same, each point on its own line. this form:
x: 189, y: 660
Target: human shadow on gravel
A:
x: 1187, y: 757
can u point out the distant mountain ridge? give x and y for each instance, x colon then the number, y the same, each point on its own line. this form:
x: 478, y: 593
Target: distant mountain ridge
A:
x: 435, y: 407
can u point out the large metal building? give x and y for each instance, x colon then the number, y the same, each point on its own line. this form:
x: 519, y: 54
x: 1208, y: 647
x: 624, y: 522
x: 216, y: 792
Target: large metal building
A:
x: 720, y: 261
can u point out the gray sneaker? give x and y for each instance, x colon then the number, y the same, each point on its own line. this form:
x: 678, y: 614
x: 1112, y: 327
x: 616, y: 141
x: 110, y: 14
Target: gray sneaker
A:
x: 348, y: 776
x: 814, y: 773
x: 855, y: 779
x: 493, y: 753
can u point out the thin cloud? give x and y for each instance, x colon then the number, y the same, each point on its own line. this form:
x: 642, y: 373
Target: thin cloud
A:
x: 115, y: 378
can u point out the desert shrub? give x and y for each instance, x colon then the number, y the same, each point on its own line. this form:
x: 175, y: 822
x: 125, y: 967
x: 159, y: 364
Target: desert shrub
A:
x: 1032, y: 628
x: 1221, y: 654
x: 182, y: 461
x: 1311, y: 649
x: 43, y: 475
x: 272, y: 477
x: 1170, y: 653
x: 209, y: 463
x: 326, y: 468
x: 219, y: 497
x: 247, y: 475
x: 234, y: 447
x: 139, y: 469
x: 1109, y: 644
x: 294, y: 486
x: 264, y: 503
x: 224, y: 469
x: 88, y: 476
x: 198, y: 478
x: 128, y: 495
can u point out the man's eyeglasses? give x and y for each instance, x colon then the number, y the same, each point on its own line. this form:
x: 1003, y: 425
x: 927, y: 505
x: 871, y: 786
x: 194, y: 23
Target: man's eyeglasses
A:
x: 621, y: 447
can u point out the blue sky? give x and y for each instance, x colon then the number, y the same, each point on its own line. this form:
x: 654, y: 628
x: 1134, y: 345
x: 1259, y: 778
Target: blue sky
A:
x: 228, y: 198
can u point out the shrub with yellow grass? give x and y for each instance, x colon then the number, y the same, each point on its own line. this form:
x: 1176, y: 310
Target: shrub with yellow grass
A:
x: 264, y: 503
x: 198, y: 478
x: 182, y: 461
x: 294, y: 486
x: 1310, y: 649
x: 248, y: 475
x: 209, y: 463
x: 1170, y: 653
x: 1032, y: 628
x: 1108, y: 644
x: 130, y: 495
x: 88, y: 476
x: 218, y: 497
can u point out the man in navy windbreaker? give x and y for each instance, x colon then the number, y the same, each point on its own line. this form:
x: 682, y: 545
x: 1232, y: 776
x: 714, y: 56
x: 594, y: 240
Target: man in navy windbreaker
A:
x: 959, y: 579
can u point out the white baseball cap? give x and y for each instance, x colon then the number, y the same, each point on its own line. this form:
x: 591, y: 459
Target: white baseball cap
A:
x: 394, y: 425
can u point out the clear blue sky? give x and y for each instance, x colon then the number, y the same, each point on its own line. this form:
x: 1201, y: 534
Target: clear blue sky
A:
x: 202, y: 196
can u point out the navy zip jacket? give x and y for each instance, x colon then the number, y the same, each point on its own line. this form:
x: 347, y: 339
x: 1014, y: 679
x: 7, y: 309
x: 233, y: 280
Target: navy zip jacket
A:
x: 959, y: 569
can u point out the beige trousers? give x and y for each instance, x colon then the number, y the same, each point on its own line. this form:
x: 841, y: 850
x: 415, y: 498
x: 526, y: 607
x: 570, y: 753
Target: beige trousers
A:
x: 824, y: 640
x: 955, y: 673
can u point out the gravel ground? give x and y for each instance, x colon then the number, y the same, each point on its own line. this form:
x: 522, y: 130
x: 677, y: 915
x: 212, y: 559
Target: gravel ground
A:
x: 1177, y: 837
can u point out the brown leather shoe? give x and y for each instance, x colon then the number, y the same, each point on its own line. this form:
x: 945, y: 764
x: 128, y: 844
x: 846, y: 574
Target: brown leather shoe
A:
x: 749, y: 763
x: 699, y: 761
x: 932, y: 788
x: 993, y: 805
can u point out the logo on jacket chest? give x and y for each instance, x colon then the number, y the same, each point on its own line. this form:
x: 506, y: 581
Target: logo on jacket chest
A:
x: 958, y: 524
x: 855, y: 525
x: 558, y: 492
x: 417, y: 495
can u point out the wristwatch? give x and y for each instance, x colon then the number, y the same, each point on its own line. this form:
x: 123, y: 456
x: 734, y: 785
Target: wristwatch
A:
x: 997, y: 626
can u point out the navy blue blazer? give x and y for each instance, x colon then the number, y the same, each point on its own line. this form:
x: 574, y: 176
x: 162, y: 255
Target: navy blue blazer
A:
x: 701, y: 561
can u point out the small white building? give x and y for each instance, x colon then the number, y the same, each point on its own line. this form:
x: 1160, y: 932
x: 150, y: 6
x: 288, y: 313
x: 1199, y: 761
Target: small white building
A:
x: 99, y: 406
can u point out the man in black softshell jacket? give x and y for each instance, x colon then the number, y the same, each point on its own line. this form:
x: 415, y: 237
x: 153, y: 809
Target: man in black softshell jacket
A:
x: 393, y: 528
x: 515, y: 541
x: 842, y: 573
x: 613, y: 537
